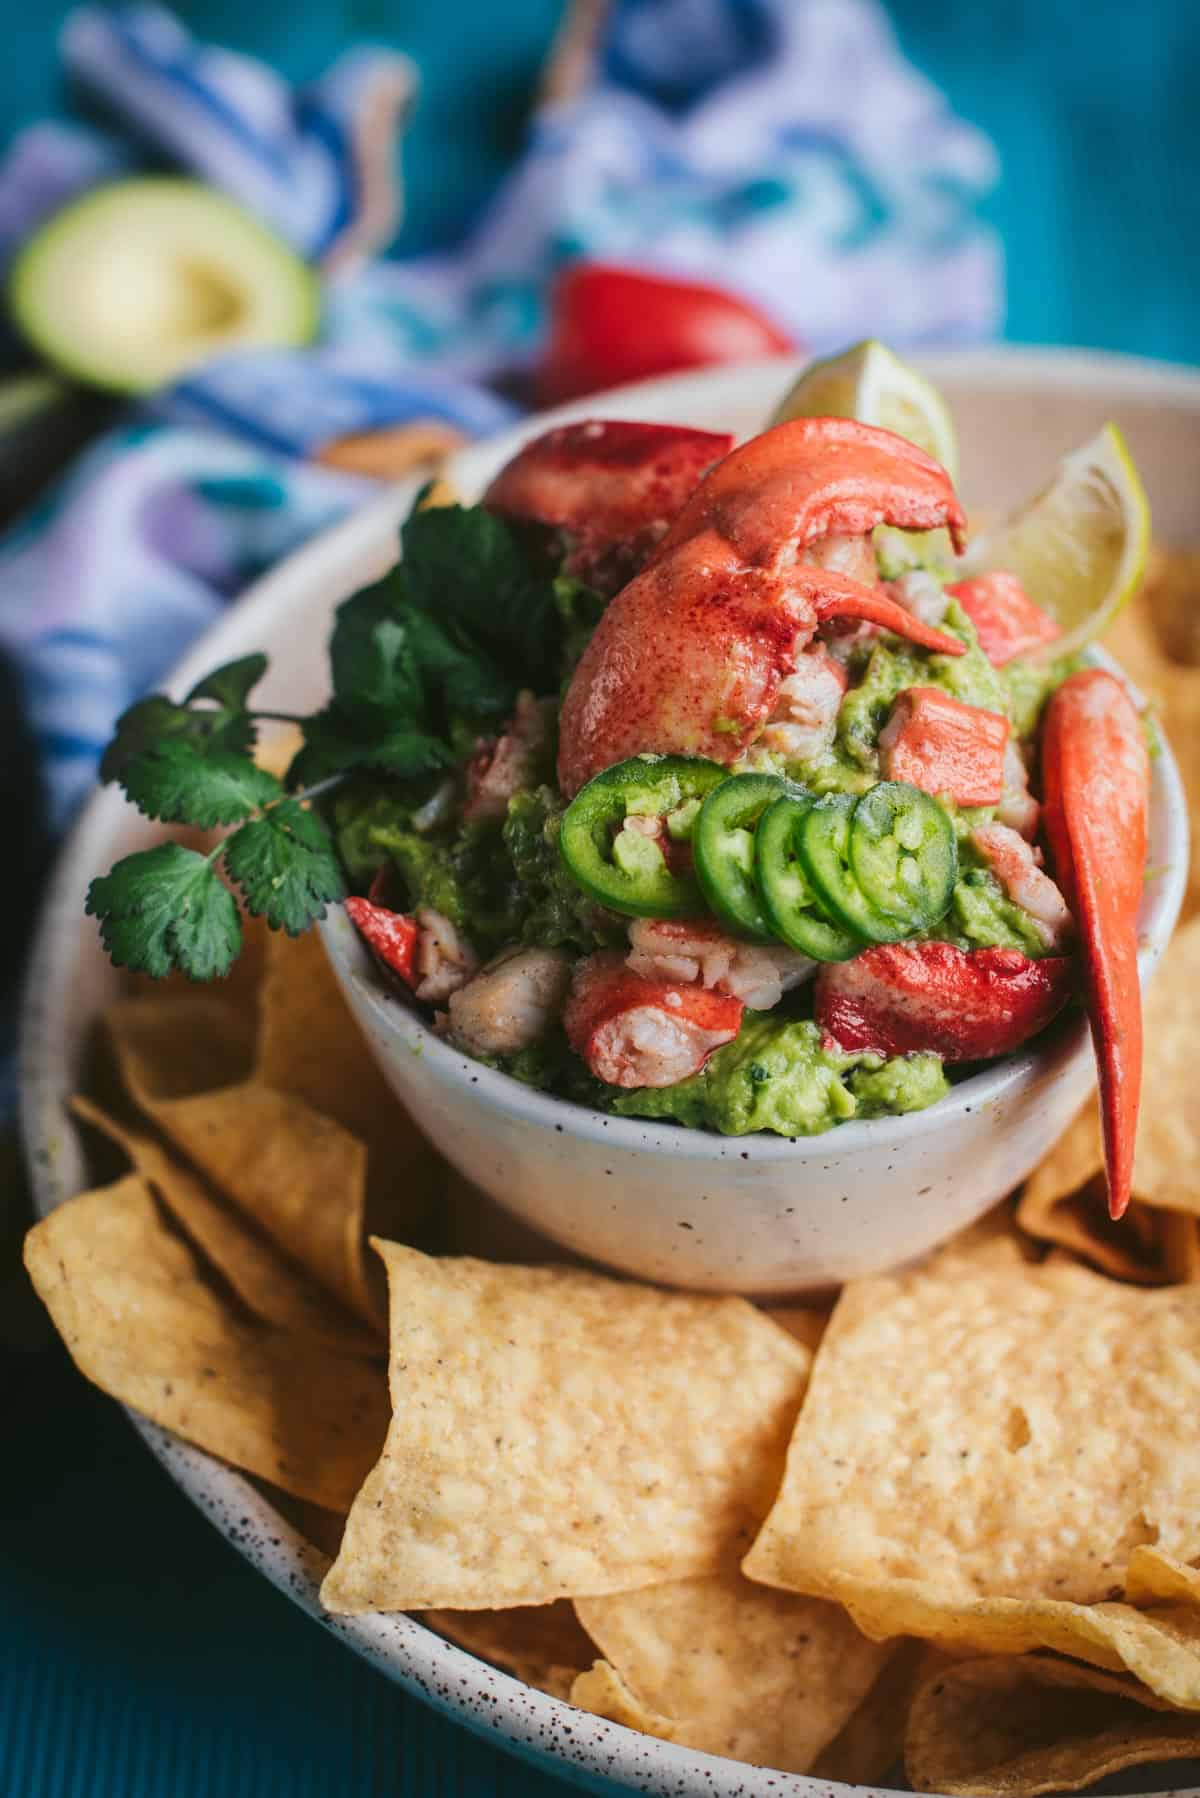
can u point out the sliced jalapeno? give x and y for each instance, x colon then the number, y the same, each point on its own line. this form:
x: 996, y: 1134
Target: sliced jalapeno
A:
x: 794, y: 910
x: 823, y: 843
x: 723, y: 848
x: 626, y: 868
x: 903, y: 854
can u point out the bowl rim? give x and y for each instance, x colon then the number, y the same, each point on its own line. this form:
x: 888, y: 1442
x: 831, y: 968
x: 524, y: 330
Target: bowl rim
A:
x: 497, y: 1706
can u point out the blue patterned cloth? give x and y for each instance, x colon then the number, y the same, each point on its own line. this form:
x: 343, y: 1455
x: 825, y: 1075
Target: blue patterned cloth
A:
x: 780, y: 146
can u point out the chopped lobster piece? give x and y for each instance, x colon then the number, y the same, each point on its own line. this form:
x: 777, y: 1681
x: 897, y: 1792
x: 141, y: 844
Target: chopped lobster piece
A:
x: 690, y: 656
x: 633, y: 1031
x: 901, y: 998
x: 1017, y: 865
x: 611, y: 487
x: 695, y: 950
x: 391, y: 935
x: 445, y: 959
x: 511, y: 1003
x: 804, y: 721
x: 1006, y: 621
x: 937, y: 743
x: 501, y: 767
x: 1018, y: 808
x: 1096, y: 781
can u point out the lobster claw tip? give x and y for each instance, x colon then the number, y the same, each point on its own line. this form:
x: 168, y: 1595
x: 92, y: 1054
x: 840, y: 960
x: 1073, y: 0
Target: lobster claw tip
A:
x: 854, y: 600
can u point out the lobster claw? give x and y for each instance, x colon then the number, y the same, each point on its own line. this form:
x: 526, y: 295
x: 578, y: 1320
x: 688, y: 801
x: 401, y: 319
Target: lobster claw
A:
x: 689, y: 658
x: 1096, y: 782
x: 610, y: 487
x: 813, y: 478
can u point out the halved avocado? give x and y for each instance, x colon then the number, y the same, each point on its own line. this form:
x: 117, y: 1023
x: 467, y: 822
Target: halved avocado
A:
x: 141, y: 279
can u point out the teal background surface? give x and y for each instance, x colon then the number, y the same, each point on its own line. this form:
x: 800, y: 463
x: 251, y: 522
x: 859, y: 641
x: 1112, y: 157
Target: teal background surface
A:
x: 139, y: 1657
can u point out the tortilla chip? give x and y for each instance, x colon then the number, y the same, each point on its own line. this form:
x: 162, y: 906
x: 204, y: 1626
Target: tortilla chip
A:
x: 274, y: 1288
x: 558, y: 1434
x: 1064, y: 1200
x: 1023, y: 1725
x: 295, y: 1172
x: 1153, y: 1577
x: 1180, y: 715
x: 983, y: 1429
x: 807, y: 1326
x: 1167, y: 1167
x: 311, y: 1047
x: 730, y: 1668
x: 238, y: 990
x: 1180, y: 1246
x: 131, y: 1301
x: 542, y: 1644
x: 870, y: 1743
x: 1133, y: 640
x: 1171, y: 600
x: 394, y: 451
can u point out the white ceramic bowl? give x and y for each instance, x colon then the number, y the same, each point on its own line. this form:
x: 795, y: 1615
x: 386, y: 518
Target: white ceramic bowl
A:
x: 761, y: 1214
x: 1004, y: 397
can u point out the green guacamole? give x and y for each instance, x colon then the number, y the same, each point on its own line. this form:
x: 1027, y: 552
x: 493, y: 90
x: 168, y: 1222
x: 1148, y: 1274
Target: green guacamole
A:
x: 776, y: 1076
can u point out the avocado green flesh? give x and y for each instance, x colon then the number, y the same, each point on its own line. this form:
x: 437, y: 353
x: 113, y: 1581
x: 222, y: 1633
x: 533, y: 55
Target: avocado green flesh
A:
x: 776, y: 1076
x: 142, y: 279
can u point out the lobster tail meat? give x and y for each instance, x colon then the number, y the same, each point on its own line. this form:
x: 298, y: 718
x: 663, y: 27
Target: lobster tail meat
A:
x: 938, y: 743
x: 1006, y: 621
x: 902, y: 998
x: 633, y: 1030
x: 1096, y: 779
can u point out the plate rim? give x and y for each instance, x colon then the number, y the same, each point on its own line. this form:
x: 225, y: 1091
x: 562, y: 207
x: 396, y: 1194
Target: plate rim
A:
x: 498, y: 1707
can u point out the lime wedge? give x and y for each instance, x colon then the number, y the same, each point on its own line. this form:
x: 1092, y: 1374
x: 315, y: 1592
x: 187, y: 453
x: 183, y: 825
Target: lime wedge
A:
x: 1079, y: 547
x: 870, y: 383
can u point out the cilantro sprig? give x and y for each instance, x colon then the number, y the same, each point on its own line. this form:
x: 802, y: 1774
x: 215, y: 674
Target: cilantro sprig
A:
x: 420, y: 662
x: 167, y: 907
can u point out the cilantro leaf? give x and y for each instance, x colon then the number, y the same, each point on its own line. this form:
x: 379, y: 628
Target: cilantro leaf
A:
x: 286, y: 867
x: 230, y: 685
x: 332, y: 745
x: 376, y: 677
x: 184, y: 784
x: 156, y: 719
x: 467, y: 682
x: 166, y: 908
x: 466, y: 568
x: 580, y: 609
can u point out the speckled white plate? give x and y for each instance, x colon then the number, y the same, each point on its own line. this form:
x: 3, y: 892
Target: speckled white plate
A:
x: 1017, y: 412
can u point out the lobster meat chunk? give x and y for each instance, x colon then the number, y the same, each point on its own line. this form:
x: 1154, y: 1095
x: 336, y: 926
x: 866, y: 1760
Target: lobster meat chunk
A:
x: 901, y: 998
x: 1006, y: 621
x: 1096, y: 781
x: 690, y: 657
x: 636, y: 1031
x: 390, y: 935
x: 937, y: 743
x: 610, y: 487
